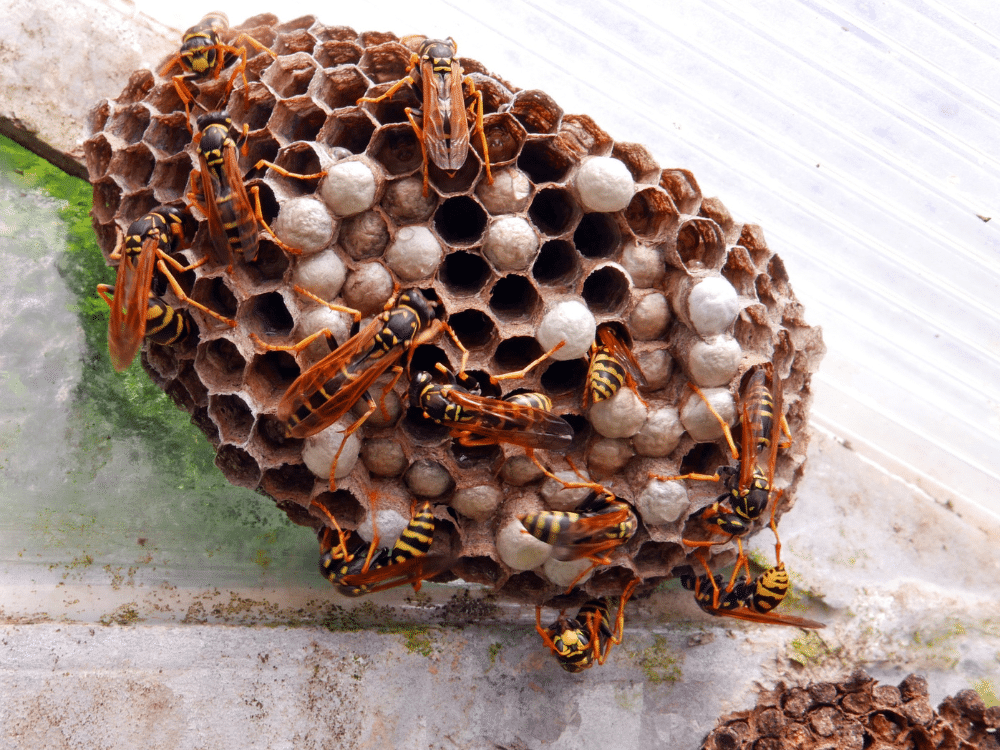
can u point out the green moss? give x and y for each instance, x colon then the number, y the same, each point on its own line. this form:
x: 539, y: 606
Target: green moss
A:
x: 494, y: 651
x: 379, y: 619
x: 659, y: 662
x: 417, y: 640
x: 987, y: 692
x: 808, y: 649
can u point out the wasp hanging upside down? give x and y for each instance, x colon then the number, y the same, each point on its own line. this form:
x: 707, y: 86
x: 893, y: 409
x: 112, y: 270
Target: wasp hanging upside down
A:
x: 136, y: 312
x: 578, y: 642
x: 448, y: 100
x: 203, y: 54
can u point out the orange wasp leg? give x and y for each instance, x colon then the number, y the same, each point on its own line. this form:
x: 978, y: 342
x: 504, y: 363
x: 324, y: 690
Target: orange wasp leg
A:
x: 530, y: 366
x: 259, y: 216
x: 285, y: 173
x: 161, y: 264
x: 546, y: 638
x: 476, y: 110
x: 618, y: 633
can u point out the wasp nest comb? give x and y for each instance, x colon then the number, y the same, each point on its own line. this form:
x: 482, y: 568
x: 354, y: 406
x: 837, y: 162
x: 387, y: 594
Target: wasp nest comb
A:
x: 570, y: 234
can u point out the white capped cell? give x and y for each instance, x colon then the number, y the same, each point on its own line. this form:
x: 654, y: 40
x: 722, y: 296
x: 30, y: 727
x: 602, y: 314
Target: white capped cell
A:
x: 520, y: 550
x: 656, y: 366
x: 563, y: 573
x: 368, y: 288
x: 349, y: 188
x: 318, y: 450
x: 608, y: 456
x: 511, y: 243
x: 714, y: 361
x: 414, y: 254
x: 315, y: 317
x: 712, y: 306
x: 644, y: 264
x: 604, y: 184
x: 558, y: 496
x: 427, y: 478
x: 650, y: 317
x: 389, y: 524
x: 384, y: 457
x: 620, y: 416
x: 570, y: 321
x: 520, y: 470
x: 323, y: 274
x: 699, y: 422
x: 662, y: 502
x: 508, y: 194
x: 478, y: 503
x: 304, y: 224
x: 660, y: 434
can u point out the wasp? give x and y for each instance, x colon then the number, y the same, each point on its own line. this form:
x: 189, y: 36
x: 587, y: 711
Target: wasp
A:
x: 448, y: 101
x: 136, y: 312
x: 612, y: 367
x: 600, y: 524
x: 523, y: 419
x: 232, y: 221
x: 329, y: 389
x: 356, y: 568
x: 750, y: 599
x: 748, y: 486
x: 578, y: 642
x: 203, y: 54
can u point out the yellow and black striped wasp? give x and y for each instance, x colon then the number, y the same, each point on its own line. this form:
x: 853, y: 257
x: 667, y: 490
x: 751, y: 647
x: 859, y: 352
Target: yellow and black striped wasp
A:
x: 357, y: 567
x: 752, y: 599
x: 232, y: 220
x: 612, y: 367
x: 748, y: 486
x: 580, y: 642
x: 136, y: 312
x: 448, y: 100
x: 600, y: 524
x: 523, y: 419
x: 203, y: 54
x: 329, y: 389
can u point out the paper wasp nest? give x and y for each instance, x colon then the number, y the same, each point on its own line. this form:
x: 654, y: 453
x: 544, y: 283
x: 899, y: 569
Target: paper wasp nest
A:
x: 575, y: 230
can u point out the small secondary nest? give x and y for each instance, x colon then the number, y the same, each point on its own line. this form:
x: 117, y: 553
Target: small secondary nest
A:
x: 859, y: 713
x: 699, y: 297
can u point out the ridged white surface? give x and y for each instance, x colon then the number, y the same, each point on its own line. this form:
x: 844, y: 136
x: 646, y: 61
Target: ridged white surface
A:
x: 861, y: 136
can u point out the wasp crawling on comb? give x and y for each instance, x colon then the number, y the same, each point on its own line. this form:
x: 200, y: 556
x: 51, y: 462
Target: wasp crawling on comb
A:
x: 448, y: 101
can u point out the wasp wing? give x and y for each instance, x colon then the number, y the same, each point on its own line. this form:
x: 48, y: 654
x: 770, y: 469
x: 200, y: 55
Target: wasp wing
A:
x: 446, y: 124
x: 127, y: 329
x: 399, y: 574
x: 243, y: 213
x: 769, y: 618
x: 516, y: 424
x: 617, y: 348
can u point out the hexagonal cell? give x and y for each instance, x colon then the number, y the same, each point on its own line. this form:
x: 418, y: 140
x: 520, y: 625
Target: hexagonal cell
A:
x: 565, y: 376
x: 168, y: 134
x: 165, y: 99
x: 396, y: 148
x: 214, y: 294
x: 269, y: 435
x: 495, y: 94
x: 97, y: 118
x: 170, y: 177
x: 651, y: 214
x: 107, y: 198
x: 558, y: 262
x: 504, y: 137
x: 390, y: 111
x: 340, y: 87
x: 739, y: 270
x: 220, y: 365
x: 302, y: 22
x: 252, y: 105
x: 97, y: 152
x: 203, y: 422
x: 464, y: 274
x: 545, y: 160
x: 298, y: 158
x: 607, y: 289
x: 292, y: 482
x: 639, y: 161
x: 298, y: 40
x: 536, y: 111
x: 334, y: 52
x: 138, y: 204
x: 351, y: 129
x: 290, y: 76
x: 188, y: 377
x: 134, y: 165
x: 514, y: 298
x: 752, y: 238
x: 180, y: 396
x: 233, y: 417
x: 139, y: 84
x: 683, y: 188
x: 129, y: 123
x: 581, y: 137
x: 296, y: 119
x: 459, y: 181
x: 375, y: 38
x: 365, y: 235
x: 269, y: 376
x: 514, y: 353
x: 385, y: 62
x: 475, y: 329
x: 554, y: 211
x: 460, y: 221
x: 238, y: 466
x: 404, y: 200
x: 107, y: 237
x: 267, y: 316
x: 700, y: 244
x: 335, y: 33
x: 598, y: 236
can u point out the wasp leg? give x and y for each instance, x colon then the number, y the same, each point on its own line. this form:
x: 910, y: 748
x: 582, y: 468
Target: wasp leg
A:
x: 722, y: 422
x: 372, y: 406
x: 285, y: 173
x: 546, y: 638
x: 677, y: 477
x: 356, y: 314
x: 476, y: 110
x: 531, y: 365
x: 618, y: 633
x: 179, y: 293
x: 423, y: 149
x: 259, y: 216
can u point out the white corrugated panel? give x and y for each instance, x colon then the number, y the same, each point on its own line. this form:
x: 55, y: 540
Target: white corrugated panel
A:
x: 862, y: 136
